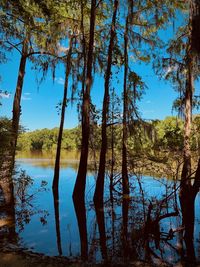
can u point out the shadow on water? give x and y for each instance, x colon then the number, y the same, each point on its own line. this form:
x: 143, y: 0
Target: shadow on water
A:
x: 149, y: 225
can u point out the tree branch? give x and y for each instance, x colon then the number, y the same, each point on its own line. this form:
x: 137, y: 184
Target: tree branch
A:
x: 14, y: 46
x: 44, y: 53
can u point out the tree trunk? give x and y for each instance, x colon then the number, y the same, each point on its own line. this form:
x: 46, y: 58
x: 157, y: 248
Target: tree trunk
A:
x: 99, y: 190
x: 188, y: 120
x: 112, y: 149
x: 195, y: 10
x: 188, y: 191
x: 62, y: 119
x: 79, y: 189
x: 17, y: 97
x: 125, y: 182
x: 187, y: 200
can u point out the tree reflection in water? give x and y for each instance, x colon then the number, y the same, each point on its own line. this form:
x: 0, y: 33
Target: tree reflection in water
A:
x: 57, y: 218
x: 80, y: 210
x: 144, y: 226
x: 102, y: 231
x: 16, y: 207
x: 7, y: 211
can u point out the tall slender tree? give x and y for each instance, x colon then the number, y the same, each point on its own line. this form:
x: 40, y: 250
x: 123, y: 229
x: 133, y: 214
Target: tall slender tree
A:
x: 99, y: 190
x: 195, y: 13
x: 125, y: 182
x: 18, y: 93
x: 62, y: 118
x: 79, y: 189
x: 28, y: 28
x: 183, y: 70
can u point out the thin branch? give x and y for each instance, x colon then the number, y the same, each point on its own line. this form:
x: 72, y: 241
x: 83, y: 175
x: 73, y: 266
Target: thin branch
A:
x: 173, y: 60
x: 98, y: 3
x: 113, y: 123
x: 44, y: 53
x: 13, y: 16
x: 14, y: 46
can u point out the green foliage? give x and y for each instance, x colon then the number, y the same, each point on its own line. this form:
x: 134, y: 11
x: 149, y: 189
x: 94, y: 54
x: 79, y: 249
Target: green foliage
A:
x: 164, y: 134
x: 195, y: 135
x: 5, y: 133
x: 169, y: 133
x: 46, y: 139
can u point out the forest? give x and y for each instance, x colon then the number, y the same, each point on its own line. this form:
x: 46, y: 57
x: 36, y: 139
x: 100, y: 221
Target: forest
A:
x: 117, y: 189
x: 165, y: 135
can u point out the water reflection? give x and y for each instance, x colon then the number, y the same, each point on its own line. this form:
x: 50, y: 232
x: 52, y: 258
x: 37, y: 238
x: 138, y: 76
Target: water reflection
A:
x: 57, y: 218
x: 146, y: 225
x: 7, y: 211
x: 125, y: 239
x: 102, y: 231
x: 82, y: 226
x: 46, y: 160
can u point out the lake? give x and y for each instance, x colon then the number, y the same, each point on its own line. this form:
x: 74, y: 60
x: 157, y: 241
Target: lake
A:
x: 147, y: 226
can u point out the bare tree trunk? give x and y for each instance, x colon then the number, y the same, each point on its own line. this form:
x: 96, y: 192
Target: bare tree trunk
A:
x: 99, y: 190
x: 17, y: 97
x: 79, y: 189
x: 62, y: 119
x: 125, y: 182
x: 112, y: 149
x: 195, y: 10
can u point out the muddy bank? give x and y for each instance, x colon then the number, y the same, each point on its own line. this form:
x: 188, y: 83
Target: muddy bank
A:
x: 23, y: 258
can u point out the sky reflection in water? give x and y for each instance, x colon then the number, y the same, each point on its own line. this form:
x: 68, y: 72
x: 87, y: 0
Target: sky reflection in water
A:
x: 39, y: 233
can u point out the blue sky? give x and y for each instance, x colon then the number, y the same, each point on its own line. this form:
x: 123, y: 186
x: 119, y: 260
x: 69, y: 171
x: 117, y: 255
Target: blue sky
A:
x: 39, y: 104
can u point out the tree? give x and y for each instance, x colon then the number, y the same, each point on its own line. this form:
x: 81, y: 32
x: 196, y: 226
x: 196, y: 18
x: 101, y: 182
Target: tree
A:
x: 125, y: 182
x: 57, y: 162
x: 169, y: 133
x: 182, y: 70
x: 99, y: 189
x: 79, y: 189
x: 29, y: 28
x: 195, y: 14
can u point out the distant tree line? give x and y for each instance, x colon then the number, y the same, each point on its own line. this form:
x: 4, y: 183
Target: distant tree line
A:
x: 160, y: 135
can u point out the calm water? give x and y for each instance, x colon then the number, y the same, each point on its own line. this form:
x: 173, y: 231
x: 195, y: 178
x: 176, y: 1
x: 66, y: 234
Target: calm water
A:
x: 129, y: 231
